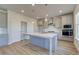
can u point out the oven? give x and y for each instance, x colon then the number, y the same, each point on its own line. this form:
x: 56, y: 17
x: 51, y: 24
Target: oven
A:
x: 67, y: 32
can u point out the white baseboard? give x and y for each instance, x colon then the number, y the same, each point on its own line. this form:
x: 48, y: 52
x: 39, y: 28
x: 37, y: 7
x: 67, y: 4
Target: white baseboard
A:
x: 13, y: 42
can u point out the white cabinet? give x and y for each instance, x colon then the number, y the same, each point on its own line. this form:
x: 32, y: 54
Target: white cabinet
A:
x: 40, y: 22
x: 67, y: 20
x: 57, y: 22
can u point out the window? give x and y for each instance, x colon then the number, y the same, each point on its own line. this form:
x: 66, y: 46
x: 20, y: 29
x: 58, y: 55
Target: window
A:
x: 77, y: 26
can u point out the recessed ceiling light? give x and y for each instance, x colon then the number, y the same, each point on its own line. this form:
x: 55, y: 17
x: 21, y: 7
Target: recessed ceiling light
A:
x: 60, y: 11
x: 46, y: 19
x: 32, y: 22
x: 33, y: 4
x: 22, y: 11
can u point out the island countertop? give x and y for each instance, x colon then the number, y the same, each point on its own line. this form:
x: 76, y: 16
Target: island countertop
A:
x: 44, y: 35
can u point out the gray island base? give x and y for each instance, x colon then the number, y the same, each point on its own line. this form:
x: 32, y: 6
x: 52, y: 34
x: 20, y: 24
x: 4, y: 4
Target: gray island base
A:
x: 47, y: 40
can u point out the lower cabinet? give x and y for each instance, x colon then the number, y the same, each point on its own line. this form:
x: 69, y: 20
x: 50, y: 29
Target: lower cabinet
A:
x: 43, y: 42
x: 37, y: 41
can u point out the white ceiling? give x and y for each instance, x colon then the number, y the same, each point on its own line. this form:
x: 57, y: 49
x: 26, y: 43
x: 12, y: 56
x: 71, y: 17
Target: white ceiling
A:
x: 40, y: 10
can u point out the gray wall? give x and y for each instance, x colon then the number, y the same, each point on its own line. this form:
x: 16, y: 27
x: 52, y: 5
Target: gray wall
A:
x: 14, y: 25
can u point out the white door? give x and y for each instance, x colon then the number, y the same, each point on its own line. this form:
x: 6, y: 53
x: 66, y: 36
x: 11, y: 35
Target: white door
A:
x: 23, y: 29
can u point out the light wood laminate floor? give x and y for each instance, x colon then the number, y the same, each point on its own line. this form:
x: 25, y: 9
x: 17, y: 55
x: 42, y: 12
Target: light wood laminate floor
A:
x: 26, y: 48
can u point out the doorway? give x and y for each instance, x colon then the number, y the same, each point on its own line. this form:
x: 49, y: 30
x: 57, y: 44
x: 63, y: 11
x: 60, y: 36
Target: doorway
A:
x: 23, y: 30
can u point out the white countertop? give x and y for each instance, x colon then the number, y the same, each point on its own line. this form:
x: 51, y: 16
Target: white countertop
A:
x: 44, y: 35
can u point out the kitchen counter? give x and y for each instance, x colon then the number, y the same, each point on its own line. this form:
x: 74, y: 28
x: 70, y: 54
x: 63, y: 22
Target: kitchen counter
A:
x: 44, y: 40
x: 43, y: 35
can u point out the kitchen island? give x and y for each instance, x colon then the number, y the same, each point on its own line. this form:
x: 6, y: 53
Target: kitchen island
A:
x: 44, y: 40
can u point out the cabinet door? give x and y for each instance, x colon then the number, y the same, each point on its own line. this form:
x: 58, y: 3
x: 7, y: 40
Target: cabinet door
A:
x: 40, y: 22
x: 67, y: 20
x: 37, y: 40
x: 57, y: 22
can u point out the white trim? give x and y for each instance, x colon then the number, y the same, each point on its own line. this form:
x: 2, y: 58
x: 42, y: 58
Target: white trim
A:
x: 13, y: 42
x: 76, y: 45
x: 50, y: 47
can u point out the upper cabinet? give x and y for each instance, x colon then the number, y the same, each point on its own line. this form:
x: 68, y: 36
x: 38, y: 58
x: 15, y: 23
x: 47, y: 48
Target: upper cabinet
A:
x: 57, y: 22
x: 40, y: 22
x: 67, y: 20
